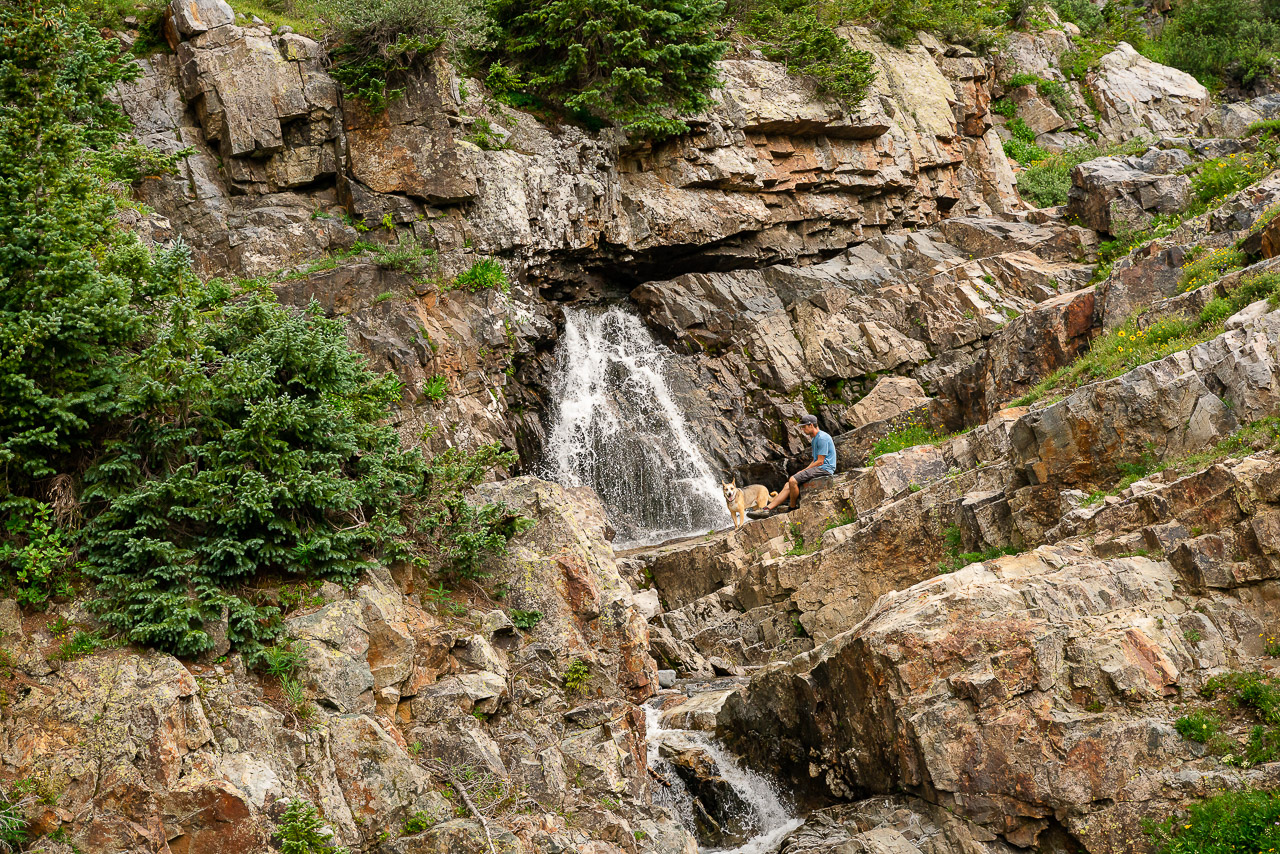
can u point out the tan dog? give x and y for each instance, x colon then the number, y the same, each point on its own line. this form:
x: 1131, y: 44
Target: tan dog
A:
x: 738, y: 500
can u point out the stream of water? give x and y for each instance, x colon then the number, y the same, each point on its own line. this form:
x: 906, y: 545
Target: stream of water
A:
x: 617, y: 429
x: 769, y: 818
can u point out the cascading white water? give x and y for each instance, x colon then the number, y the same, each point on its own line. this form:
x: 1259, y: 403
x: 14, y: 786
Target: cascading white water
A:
x: 617, y: 429
x: 772, y: 821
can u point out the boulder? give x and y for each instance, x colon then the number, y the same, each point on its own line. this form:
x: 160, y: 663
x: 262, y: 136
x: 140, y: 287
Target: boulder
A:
x: 980, y: 691
x: 335, y: 643
x: 1119, y: 194
x: 192, y: 17
x: 1140, y: 98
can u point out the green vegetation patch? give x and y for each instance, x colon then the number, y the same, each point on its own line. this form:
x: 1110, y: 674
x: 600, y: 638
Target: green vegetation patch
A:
x: 1228, y: 823
x: 172, y: 440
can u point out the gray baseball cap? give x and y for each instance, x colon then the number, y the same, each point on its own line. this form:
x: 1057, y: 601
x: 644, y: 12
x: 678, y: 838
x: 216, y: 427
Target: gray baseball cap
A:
x: 809, y: 419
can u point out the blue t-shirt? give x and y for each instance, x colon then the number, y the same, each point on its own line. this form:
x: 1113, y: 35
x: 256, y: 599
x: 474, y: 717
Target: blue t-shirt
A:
x: 824, y: 447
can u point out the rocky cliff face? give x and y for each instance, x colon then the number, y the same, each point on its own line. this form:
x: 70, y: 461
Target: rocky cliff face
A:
x: 876, y: 267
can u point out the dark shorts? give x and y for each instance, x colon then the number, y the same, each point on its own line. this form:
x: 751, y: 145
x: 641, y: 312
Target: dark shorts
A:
x: 803, y: 477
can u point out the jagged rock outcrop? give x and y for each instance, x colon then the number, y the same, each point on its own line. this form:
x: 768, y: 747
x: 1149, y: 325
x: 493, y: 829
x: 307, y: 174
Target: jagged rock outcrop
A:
x: 137, y: 751
x: 1119, y: 194
x: 1138, y: 97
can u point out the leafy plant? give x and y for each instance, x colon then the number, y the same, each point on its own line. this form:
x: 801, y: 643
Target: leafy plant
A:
x: 37, y: 555
x: 13, y: 822
x: 1198, y: 726
x: 1223, y: 824
x: 295, y: 695
x: 793, y: 32
x: 526, y: 619
x: 639, y: 64
x: 378, y: 42
x: 282, y: 659
x: 302, y: 832
x: 417, y: 823
x: 577, y: 676
x: 81, y: 644
x: 436, y: 388
x: 485, y: 273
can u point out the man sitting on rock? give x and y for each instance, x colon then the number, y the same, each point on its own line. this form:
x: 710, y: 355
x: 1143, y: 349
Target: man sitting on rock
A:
x: 823, y: 465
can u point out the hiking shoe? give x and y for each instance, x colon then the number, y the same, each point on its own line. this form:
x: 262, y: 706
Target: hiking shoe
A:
x: 762, y: 513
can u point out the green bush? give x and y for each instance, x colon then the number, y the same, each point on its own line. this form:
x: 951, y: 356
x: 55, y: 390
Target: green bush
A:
x: 1004, y: 107
x: 377, y: 42
x: 302, y: 832
x: 485, y: 273
x: 1083, y: 13
x: 417, y: 823
x: 73, y: 286
x: 1232, y: 822
x: 13, y: 824
x: 1198, y: 726
x: 37, y: 556
x: 1114, y: 23
x: 257, y: 443
x: 436, y: 388
x: 525, y: 619
x: 968, y: 22
x: 792, y: 32
x: 1221, y: 41
x: 577, y: 676
x: 1224, y: 175
x: 639, y: 64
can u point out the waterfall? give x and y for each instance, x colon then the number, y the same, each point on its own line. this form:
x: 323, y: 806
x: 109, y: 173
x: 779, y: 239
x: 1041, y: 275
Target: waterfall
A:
x: 617, y: 429
x: 769, y: 818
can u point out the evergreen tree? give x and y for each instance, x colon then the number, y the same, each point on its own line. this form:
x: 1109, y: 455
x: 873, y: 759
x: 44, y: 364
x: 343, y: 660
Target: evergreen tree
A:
x: 71, y: 283
x: 637, y: 63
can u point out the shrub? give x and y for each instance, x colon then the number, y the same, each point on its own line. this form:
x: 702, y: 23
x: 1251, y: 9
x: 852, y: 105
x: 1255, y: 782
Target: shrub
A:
x: 526, y: 619
x: 417, y: 823
x: 73, y: 286
x: 1224, y: 175
x: 1198, y: 726
x: 1221, y: 41
x: 577, y: 676
x: 793, y: 33
x: 281, y: 659
x: 1083, y: 13
x: 37, y: 556
x: 302, y: 832
x: 378, y: 41
x: 80, y: 645
x: 256, y: 444
x: 967, y: 22
x: 485, y: 273
x: 13, y: 823
x: 636, y: 63
x: 1022, y: 147
x: 436, y: 388
x: 1004, y: 107
x: 1223, y: 824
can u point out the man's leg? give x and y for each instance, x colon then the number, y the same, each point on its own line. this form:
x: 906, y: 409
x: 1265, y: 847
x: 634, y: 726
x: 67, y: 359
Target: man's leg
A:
x: 793, y: 492
x: 777, y: 499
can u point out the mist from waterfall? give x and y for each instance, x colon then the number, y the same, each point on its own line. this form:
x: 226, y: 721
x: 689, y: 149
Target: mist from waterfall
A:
x: 616, y: 428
